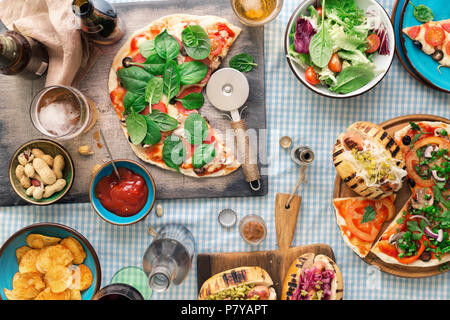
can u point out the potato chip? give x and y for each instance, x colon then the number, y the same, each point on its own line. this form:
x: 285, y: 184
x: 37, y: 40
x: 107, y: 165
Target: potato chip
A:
x: 58, y: 278
x: 75, y: 295
x: 76, y: 248
x: 47, y: 294
x: 28, y: 261
x: 82, y: 277
x: 56, y: 255
x: 38, y: 241
x: 20, y: 252
x: 27, y: 285
x: 10, y: 295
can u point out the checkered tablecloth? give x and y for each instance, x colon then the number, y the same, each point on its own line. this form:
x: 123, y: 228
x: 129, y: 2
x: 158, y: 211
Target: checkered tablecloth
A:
x: 310, y: 119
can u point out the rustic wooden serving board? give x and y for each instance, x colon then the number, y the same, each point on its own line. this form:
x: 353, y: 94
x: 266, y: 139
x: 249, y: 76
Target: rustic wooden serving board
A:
x: 341, y: 190
x: 275, y: 262
x: 16, y: 127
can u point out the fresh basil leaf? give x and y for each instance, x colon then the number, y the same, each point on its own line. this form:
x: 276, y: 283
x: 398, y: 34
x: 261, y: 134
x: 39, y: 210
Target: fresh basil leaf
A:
x: 196, y: 42
x: 422, y: 13
x: 154, y: 90
x: 353, y: 78
x: 369, y: 214
x: 195, y: 128
x: 136, y: 127
x: 321, y: 47
x: 414, y: 126
x: 166, y: 46
x: 174, y: 152
x: 192, y: 101
x: 192, y: 72
x: 147, y: 48
x: 134, y: 79
x: 243, y: 62
x: 153, y: 135
x: 163, y: 120
x: 134, y: 101
x: 413, y: 226
x: 203, y: 154
x: 171, y: 79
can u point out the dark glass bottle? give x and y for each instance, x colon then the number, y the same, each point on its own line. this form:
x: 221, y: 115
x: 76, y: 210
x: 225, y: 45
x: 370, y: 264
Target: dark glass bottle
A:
x: 21, y: 55
x: 98, y: 21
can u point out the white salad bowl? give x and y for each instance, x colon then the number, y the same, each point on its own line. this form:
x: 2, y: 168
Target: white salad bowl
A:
x: 383, y: 62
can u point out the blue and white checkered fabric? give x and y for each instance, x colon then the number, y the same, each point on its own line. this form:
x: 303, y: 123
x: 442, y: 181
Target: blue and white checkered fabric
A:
x: 310, y: 119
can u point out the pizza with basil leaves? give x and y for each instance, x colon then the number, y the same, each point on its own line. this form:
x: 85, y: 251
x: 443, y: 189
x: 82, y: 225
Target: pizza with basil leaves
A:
x: 155, y: 85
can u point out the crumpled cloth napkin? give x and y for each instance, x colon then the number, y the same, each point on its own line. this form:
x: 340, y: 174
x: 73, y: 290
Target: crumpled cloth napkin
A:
x: 53, y: 23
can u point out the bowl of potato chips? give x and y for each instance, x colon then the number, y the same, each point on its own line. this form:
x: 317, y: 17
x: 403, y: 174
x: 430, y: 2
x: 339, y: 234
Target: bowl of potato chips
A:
x: 48, y: 261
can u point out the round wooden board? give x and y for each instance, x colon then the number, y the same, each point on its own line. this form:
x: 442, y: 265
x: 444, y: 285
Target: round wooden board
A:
x: 341, y: 190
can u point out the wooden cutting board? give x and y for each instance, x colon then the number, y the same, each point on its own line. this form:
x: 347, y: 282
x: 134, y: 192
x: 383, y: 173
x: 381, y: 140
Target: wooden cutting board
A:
x: 275, y: 262
x: 341, y: 190
x: 16, y: 127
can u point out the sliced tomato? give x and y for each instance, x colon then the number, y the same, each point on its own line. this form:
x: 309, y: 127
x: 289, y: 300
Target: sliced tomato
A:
x: 145, y: 111
x: 205, y: 61
x: 373, y: 42
x: 447, y: 48
x: 210, y: 138
x: 223, y: 27
x: 388, y: 205
x: 435, y: 36
x: 408, y: 260
x: 217, y: 44
x: 139, y: 58
x: 161, y: 106
x: 446, y: 26
x: 387, y: 248
x: 366, y: 231
x: 335, y: 63
x: 184, y: 93
x: 413, y: 32
x: 311, y: 76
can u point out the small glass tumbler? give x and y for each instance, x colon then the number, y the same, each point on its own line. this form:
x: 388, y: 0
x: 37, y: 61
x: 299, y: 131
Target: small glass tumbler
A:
x: 256, y: 13
x: 253, y: 229
x: 62, y: 112
x: 118, y: 291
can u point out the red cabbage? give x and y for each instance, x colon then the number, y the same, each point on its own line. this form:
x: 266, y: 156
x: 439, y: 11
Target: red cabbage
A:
x: 303, y: 34
x: 312, y: 278
x: 384, y: 39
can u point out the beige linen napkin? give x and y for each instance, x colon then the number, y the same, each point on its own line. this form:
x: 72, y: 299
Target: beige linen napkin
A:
x: 53, y: 23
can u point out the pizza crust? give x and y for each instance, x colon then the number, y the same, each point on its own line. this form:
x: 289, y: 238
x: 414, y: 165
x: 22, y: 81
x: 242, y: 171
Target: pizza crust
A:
x: 169, y: 23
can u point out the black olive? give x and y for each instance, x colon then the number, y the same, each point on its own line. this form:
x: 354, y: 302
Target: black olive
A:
x: 425, y: 256
x: 126, y: 62
x: 129, y: 139
x: 438, y: 55
x: 173, y: 100
x: 406, y: 140
x: 417, y: 44
x: 411, y: 183
x: 183, y: 52
x: 200, y: 171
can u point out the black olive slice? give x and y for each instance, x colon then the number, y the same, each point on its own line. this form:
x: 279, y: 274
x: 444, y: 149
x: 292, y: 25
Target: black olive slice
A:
x: 411, y: 183
x: 425, y: 256
x: 126, y: 62
x: 406, y: 140
x: 438, y: 55
x: 417, y: 44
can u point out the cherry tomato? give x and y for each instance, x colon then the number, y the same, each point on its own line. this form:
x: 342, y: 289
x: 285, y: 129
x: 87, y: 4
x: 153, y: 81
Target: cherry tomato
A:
x: 311, y: 76
x: 217, y: 44
x: 373, y: 41
x: 319, y: 10
x: 335, y: 63
x: 435, y: 36
x: 413, y: 32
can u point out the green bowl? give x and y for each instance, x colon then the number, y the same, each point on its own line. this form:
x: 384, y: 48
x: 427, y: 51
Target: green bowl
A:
x: 48, y: 147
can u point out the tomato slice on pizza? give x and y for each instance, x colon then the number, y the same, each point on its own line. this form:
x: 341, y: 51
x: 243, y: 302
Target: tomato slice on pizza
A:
x: 433, y: 38
x: 361, y: 219
x: 155, y: 85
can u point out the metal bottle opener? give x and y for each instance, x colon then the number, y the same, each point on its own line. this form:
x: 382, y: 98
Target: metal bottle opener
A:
x: 228, y: 90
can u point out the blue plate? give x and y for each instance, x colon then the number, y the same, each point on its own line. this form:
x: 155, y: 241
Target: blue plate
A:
x: 420, y: 62
x: 110, y: 217
x: 8, y: 260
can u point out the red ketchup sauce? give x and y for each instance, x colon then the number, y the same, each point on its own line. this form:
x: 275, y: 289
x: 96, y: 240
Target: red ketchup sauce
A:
x: 124, y: 197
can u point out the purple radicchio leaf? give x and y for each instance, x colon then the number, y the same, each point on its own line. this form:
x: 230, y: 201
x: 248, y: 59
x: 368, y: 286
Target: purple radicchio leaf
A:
x: 384, y: 46
x: 303, y: 34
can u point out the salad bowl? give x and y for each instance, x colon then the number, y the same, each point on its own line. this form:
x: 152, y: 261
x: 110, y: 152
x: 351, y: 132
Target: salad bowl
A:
x: 360, y: 65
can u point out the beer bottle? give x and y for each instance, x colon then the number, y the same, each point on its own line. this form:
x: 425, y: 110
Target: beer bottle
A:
x: 21, y: 55
x: 98, y: 21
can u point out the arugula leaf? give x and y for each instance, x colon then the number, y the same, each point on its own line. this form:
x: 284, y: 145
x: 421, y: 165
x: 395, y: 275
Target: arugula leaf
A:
x: 369, y: 214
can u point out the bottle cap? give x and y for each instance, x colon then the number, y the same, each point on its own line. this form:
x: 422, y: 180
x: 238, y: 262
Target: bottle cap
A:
x: 227, y: 218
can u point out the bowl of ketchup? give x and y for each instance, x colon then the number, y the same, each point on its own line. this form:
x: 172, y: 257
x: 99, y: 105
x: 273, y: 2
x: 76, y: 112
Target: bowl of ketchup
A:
x: 126, y: 200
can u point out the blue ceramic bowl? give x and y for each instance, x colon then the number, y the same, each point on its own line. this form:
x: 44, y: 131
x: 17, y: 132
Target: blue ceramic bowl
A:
x: 111, y: 217
x: 8, y: 259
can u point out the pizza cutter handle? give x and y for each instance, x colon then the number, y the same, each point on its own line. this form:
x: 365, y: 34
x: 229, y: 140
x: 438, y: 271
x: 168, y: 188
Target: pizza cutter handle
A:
x: 245, y: 155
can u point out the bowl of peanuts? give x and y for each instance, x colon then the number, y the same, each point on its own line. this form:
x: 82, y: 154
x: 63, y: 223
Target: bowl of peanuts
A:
x: 41, y: 172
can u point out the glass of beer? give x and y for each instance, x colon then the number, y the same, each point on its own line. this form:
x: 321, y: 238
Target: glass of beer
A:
x: 256, y: 13
x: 62, y: 113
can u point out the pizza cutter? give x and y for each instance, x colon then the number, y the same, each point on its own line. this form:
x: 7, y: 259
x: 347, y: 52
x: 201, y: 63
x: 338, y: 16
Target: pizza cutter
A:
x: 228, y: 90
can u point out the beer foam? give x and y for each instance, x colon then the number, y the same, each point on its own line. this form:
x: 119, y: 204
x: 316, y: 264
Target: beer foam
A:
x: 59, y: 118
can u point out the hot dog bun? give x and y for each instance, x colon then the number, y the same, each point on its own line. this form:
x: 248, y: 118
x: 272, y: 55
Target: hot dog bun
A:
x: 306, y: 262
x: 229, y: 279
x: 369, y: 160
